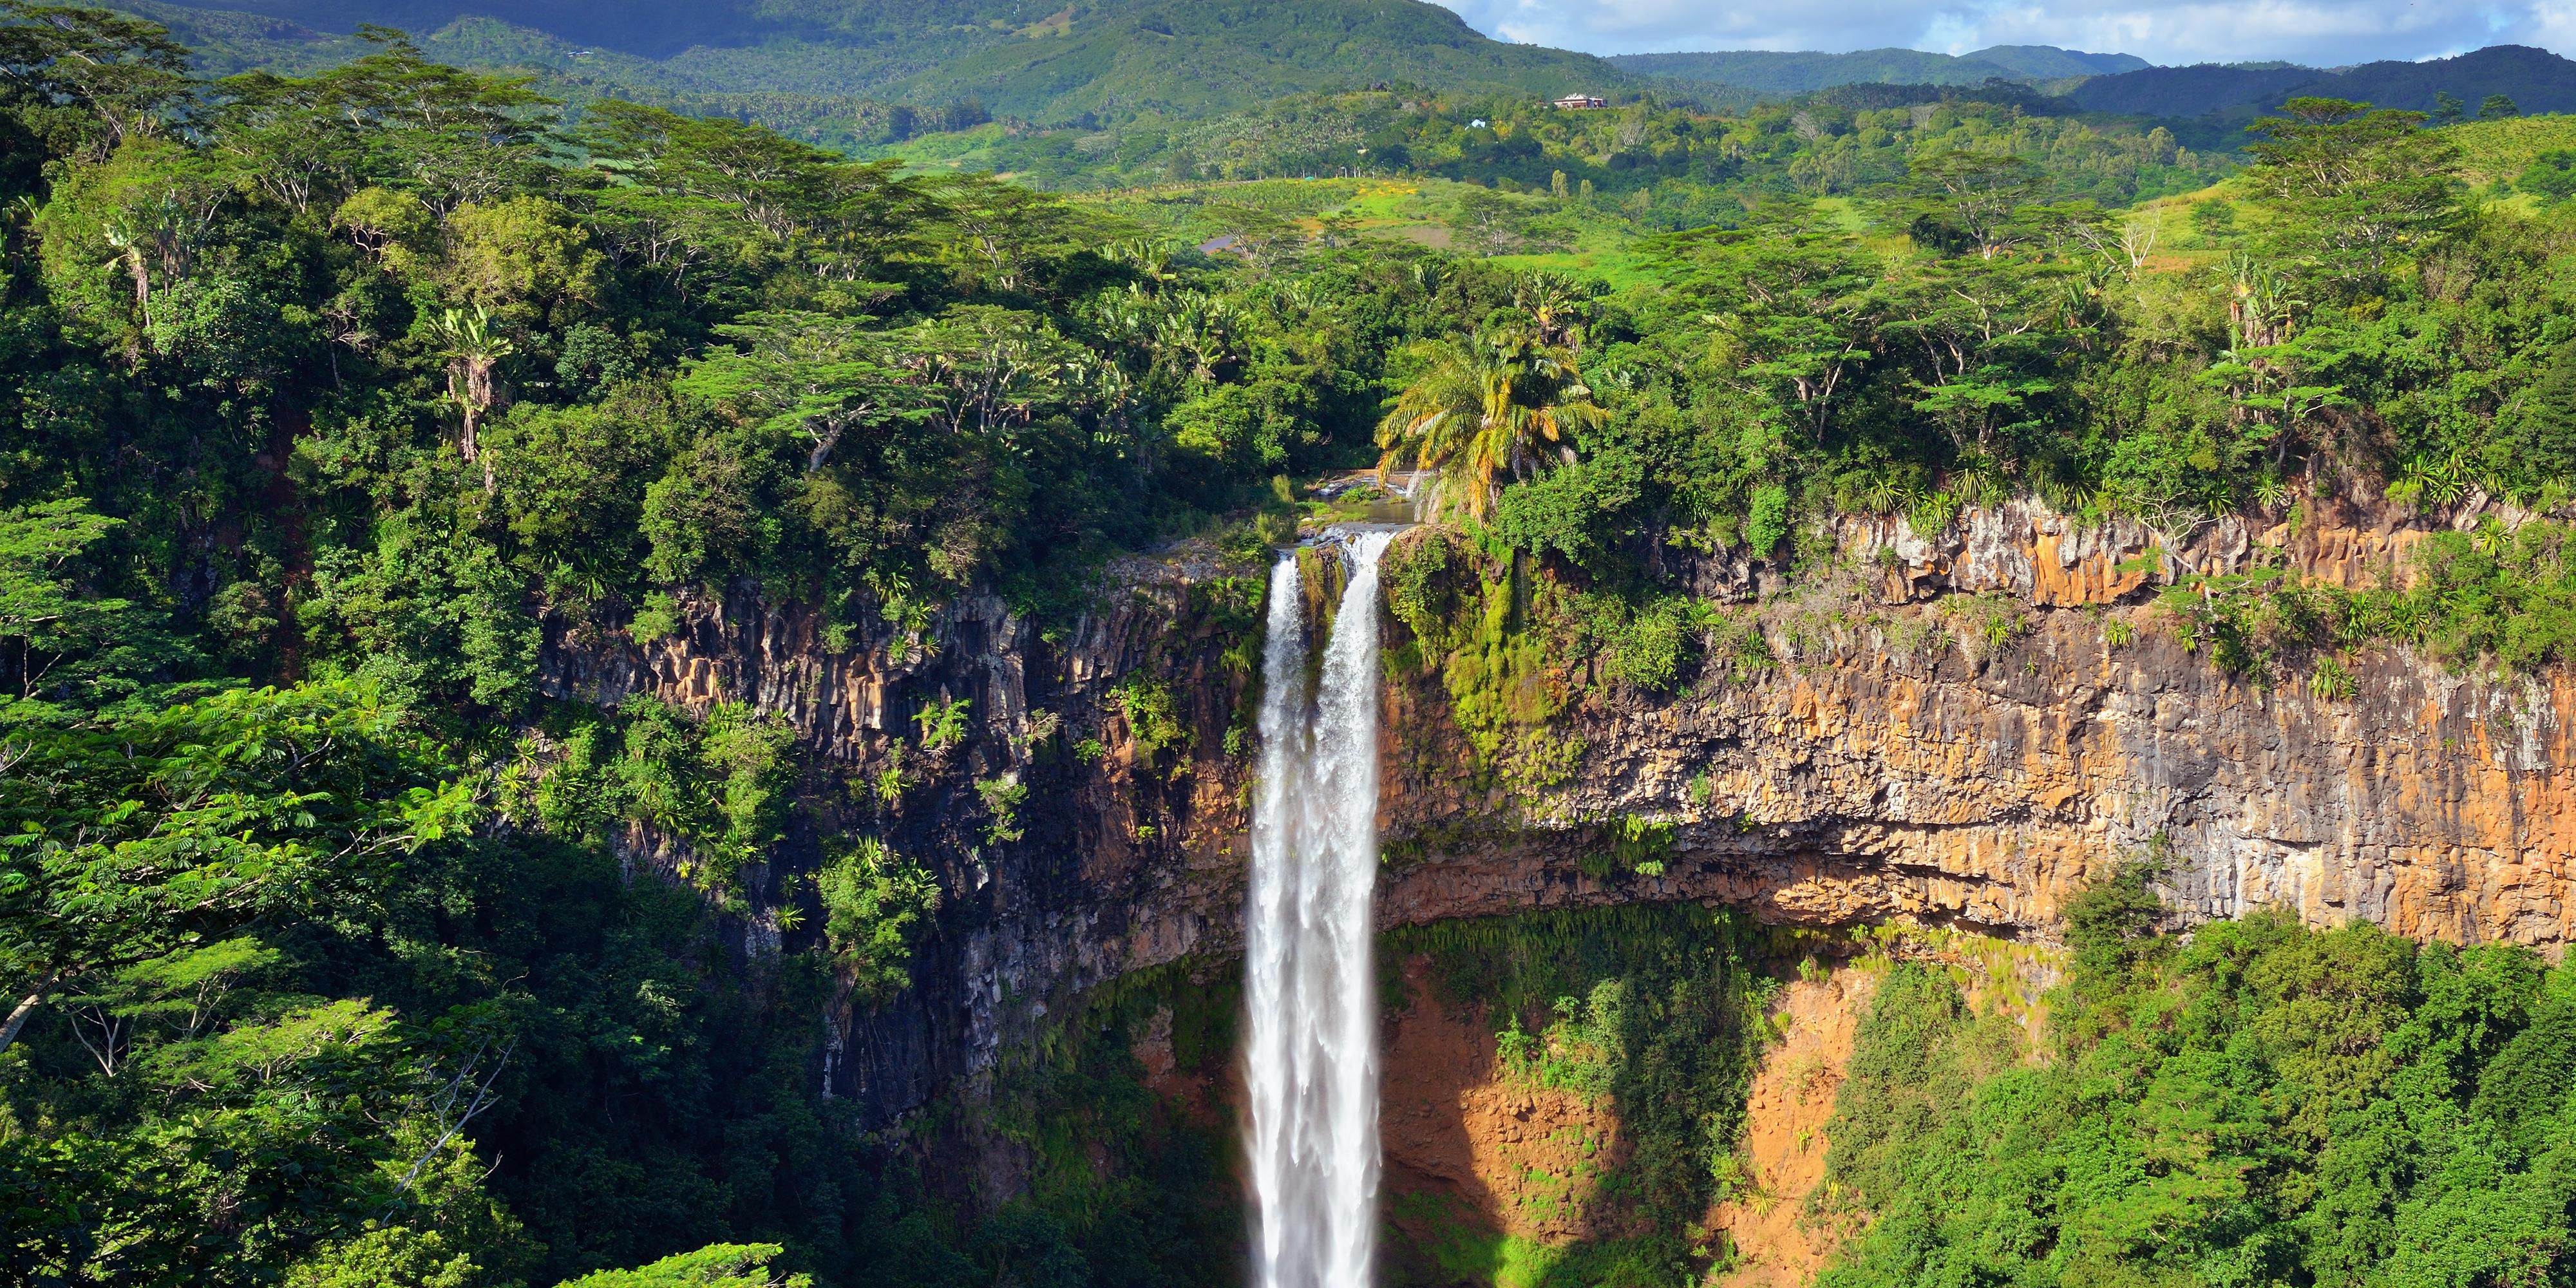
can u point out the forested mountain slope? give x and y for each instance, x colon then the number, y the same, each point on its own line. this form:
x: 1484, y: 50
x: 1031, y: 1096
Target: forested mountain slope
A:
x: 1041, y: 62
x: 2535, y: 79
x: 2048, y: 62
x: 660, y: 28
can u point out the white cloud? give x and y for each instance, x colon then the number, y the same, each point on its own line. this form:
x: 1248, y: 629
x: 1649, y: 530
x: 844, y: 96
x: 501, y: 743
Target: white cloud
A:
x: 2317, y: 32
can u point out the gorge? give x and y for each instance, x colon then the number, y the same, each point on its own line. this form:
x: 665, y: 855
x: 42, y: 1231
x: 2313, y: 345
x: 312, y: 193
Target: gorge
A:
x: 1960, y: 730
x: 596, y: 695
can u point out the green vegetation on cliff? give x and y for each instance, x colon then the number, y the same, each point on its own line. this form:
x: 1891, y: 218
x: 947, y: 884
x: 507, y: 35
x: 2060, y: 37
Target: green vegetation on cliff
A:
x: 2341, y: 324
x: 2256, y: 1102
x: 1656, y: 1012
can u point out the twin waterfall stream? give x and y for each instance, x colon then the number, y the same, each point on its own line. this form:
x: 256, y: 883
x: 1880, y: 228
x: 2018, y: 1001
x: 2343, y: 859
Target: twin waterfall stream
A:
x: 1310, y: 1048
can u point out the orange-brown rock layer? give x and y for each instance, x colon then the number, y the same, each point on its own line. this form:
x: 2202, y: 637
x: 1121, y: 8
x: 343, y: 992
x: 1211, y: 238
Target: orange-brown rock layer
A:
x: 1859, y: 782
x: 1504, y: 1155
x: 1896, y: 761
x: 1777, y: 1242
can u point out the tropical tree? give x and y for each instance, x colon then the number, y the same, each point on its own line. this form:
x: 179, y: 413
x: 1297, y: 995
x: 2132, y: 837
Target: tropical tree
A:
x: 813, y: 374
x: 1484, y: 405
x: 472, y: 347
x: 1490, y: 218
x: 845, y: 217
x: 1977, y: 199
x: 2360, y: 184
x: 133, y: 837
x: 1555, y: 305
x: 86, y: 80
x: 57, y: 638
x: 1791, y: 317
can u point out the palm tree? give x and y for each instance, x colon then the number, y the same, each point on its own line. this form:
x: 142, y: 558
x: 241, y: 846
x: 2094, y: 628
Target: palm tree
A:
x: 1488, y: 403
x: 472, y: 347
x: 1554, y: 303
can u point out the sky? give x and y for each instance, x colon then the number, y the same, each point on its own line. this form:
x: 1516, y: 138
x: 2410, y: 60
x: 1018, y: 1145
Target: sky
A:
x: 2322, y: 33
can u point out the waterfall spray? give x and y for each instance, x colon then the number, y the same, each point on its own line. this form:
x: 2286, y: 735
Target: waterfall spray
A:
x: 1310, y: 1050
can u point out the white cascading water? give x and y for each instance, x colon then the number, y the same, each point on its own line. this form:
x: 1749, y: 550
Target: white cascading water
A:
x: 1310, y: 1049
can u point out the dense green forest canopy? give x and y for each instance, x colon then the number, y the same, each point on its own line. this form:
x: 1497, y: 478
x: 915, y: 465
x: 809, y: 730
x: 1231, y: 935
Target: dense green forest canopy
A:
x: 2254, y: 1103
x: 1115, y: 59
x: 329, y: 397
x: 1836, y: 143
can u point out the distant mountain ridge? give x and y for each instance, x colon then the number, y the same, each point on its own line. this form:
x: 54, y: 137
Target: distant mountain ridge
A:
x: 2535, y: 79
x: 2050, y: 62
x: 1105, y: 61
x: 1804, y: 73
x: 645, y: 28
x: 2123, y: 84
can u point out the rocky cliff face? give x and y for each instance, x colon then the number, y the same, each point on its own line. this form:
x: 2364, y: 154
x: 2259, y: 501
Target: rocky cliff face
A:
x: 1123, y: 858
x: 1916, y: 751
x: 1961, y: 728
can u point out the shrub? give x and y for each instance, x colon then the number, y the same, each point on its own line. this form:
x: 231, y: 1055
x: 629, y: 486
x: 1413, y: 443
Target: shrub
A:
x: 943, y: 723
x: 1153, y: 719
x: 1002, y: 798
x: 2552, y: 177
x: 722, y: 1265
x: 874, y: 901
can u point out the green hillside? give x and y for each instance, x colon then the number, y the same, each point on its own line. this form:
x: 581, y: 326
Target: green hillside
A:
x: 223, y: 42
x: 1131, y: 58
x: 1114, y: 60
x: 659, y: 28
x: 2492, y: 150
x: 2048, y: 62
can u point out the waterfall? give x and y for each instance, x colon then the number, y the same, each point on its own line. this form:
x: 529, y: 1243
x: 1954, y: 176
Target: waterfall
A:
x: 1310, y: 1047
